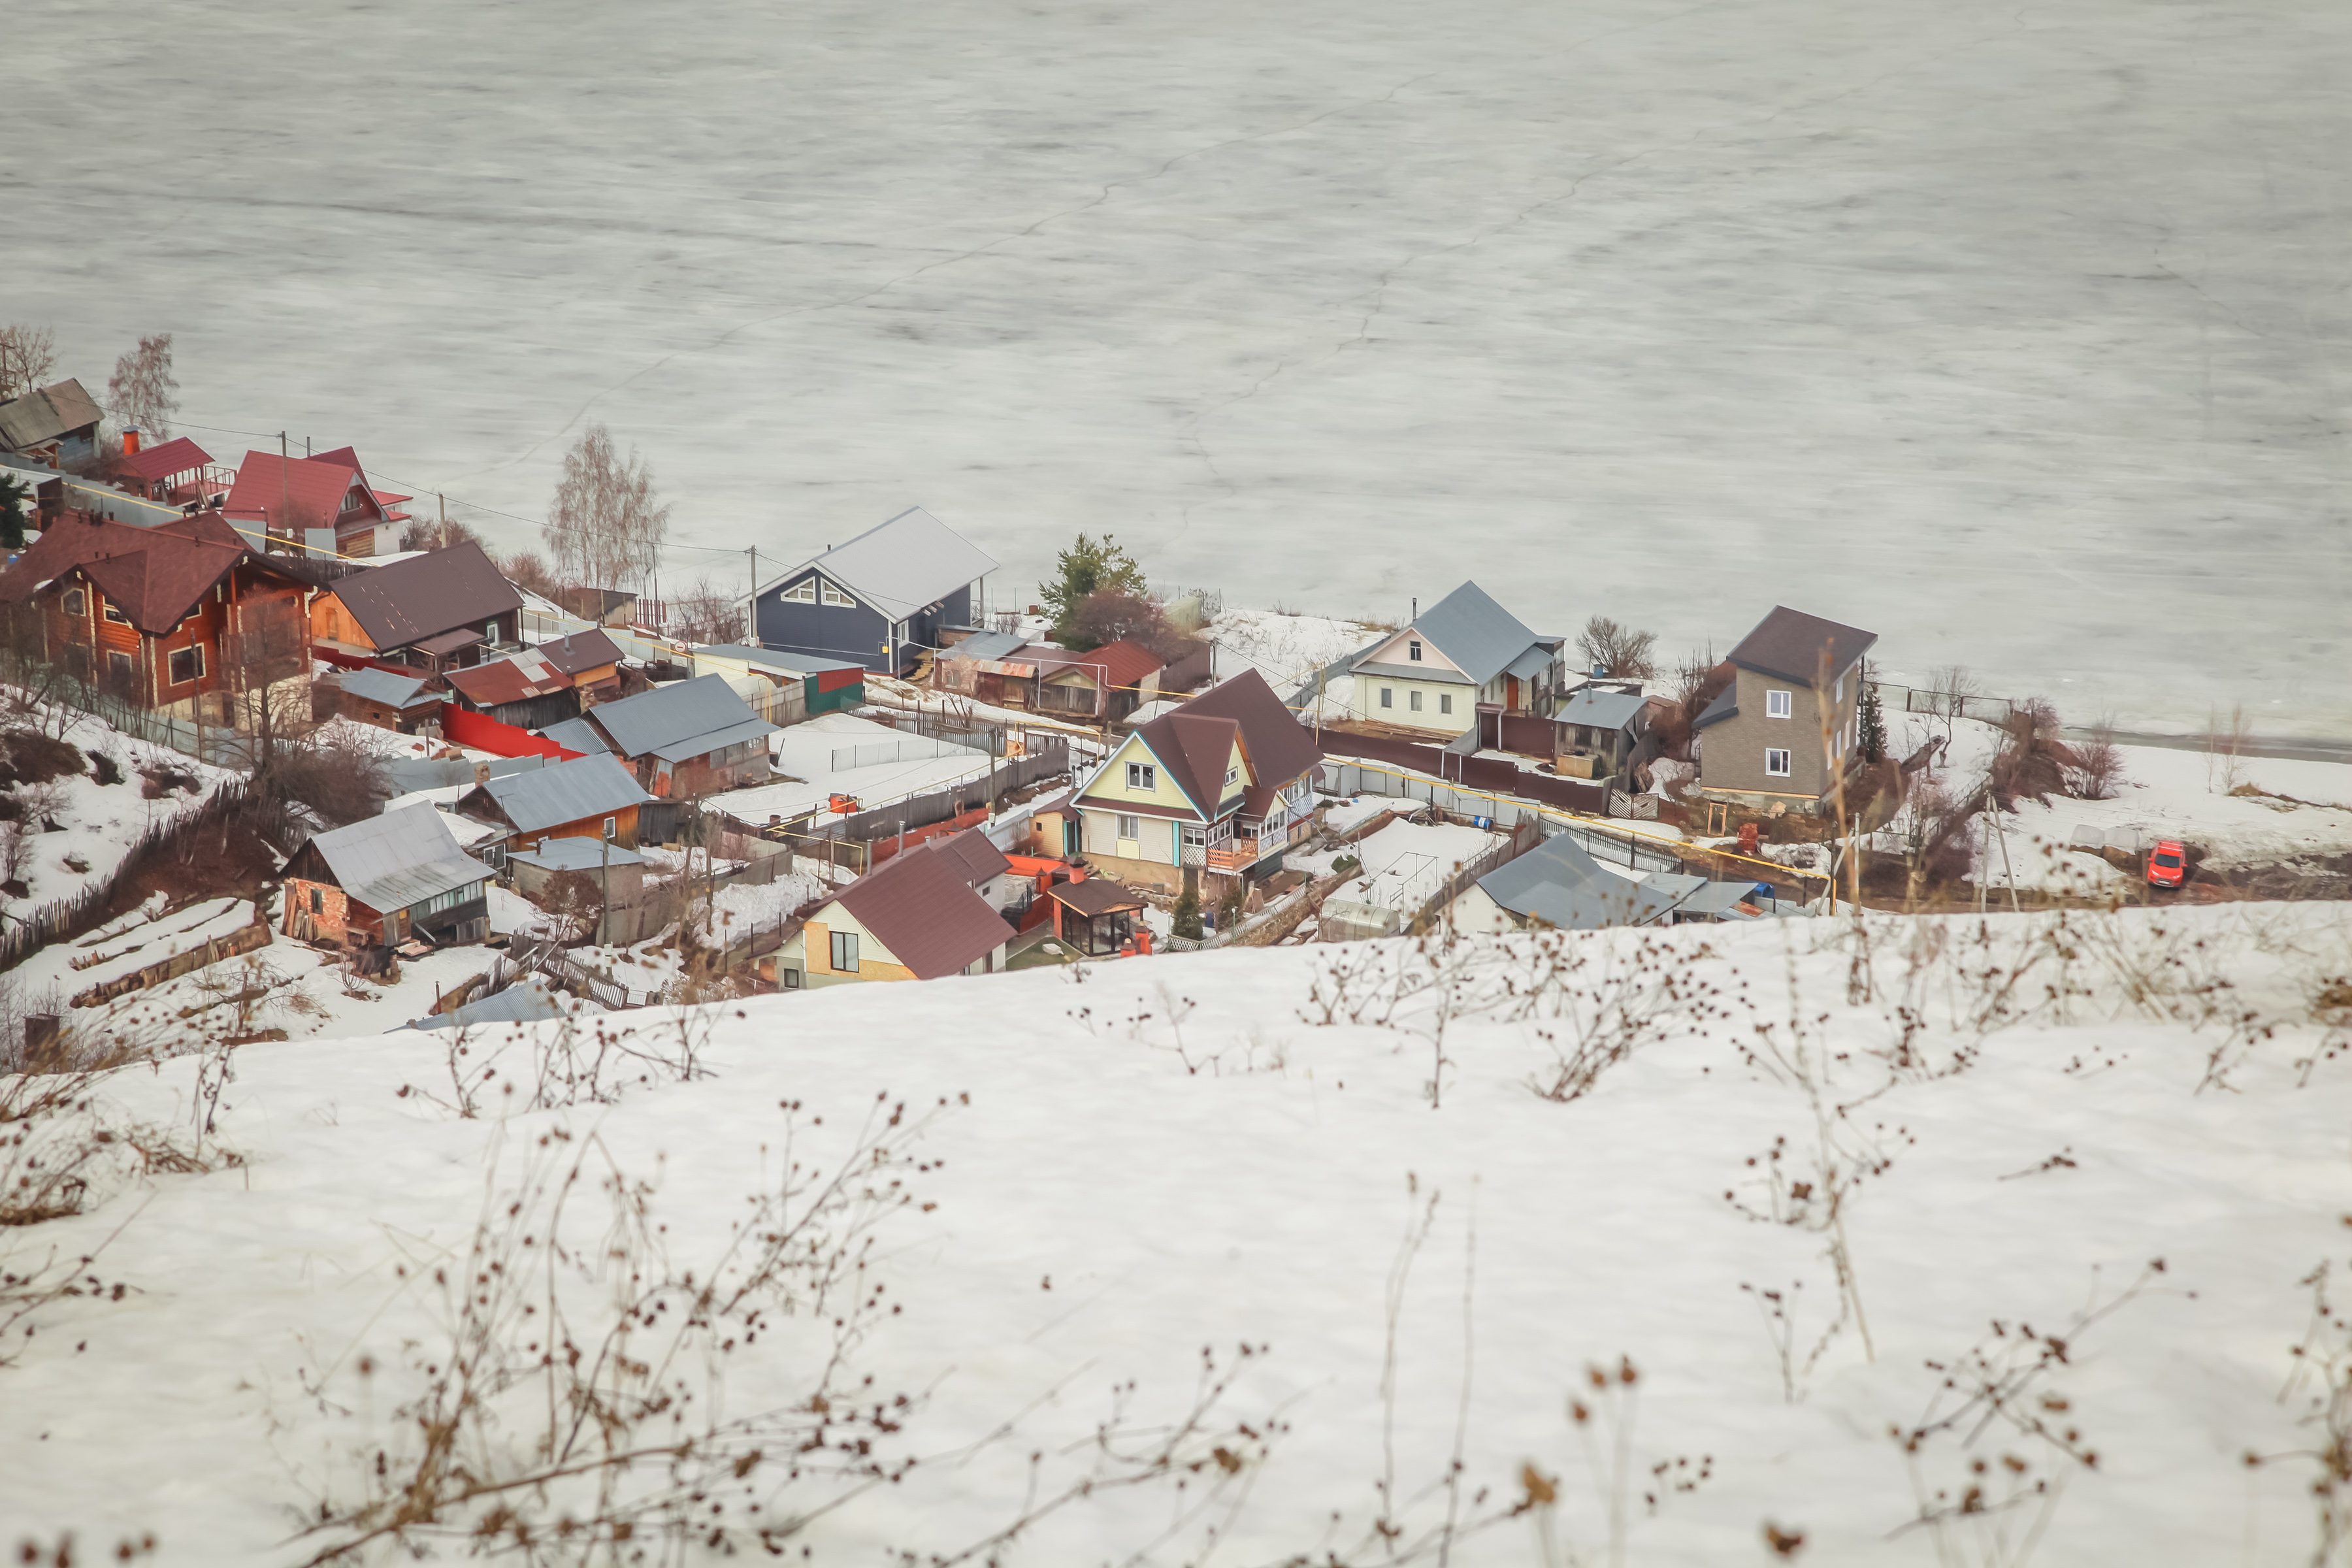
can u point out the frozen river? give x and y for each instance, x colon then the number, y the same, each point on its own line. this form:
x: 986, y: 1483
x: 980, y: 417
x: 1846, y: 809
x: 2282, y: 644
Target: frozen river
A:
x: 2018, y: 335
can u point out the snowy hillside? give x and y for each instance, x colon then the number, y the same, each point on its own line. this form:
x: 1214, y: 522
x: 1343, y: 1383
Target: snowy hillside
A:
x: 1113, y: 1168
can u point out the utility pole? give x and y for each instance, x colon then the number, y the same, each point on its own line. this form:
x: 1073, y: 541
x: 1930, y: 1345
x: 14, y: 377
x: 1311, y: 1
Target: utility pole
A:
x: 441, y: 504
x: 753, y: 629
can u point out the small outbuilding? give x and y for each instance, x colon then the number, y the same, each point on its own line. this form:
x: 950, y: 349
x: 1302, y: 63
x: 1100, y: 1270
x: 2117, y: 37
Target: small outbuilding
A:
x: 386, y: 881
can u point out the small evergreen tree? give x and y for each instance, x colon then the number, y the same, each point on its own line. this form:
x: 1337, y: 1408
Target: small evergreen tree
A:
x: 1229, y: 908
x: 1188, y: 915
x: 1084, y: 570
x: 12, y: 512
x: 1870, y: 726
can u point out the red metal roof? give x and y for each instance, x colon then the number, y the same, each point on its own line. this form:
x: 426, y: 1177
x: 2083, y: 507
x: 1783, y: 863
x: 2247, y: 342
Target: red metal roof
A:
x: 974, y: 856
x: 176, y: 456
x: 508, y: 679
x: 306, y: 492
x: 1193, y: 748
x: 1280, y: 748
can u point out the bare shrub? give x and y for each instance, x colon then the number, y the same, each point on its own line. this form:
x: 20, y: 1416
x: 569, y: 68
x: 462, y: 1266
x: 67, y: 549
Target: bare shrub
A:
x: 1951, y: 687
x: 604, y: 526
x: 1609, y: 1003
x: 142, y: 394
x: 709, y: 612
x: 1995, y: 1512
x: 551, y: 1066
x: 1113, y: 614
x: 436, y: 533
x: 28, y: 354
x: 2098, y: 771
x: 572, y: 1405
x: 2226, y: 741
x: 529, y: 573
x: 2321, y: 1374
x: 1617, y: 651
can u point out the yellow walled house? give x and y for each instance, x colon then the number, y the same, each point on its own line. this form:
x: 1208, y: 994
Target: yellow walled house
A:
x: 1222, y: 784
x: 919, y: 917
x: 1466, y: 651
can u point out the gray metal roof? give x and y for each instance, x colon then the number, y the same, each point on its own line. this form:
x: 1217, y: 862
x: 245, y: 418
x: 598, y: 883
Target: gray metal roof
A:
x: 47, y: 413
x: 525, y: 1002
x: 1530, y: 664
x: 568, y: 791
x: 901, y: 566
x: 382, y: 686
x: 575, y: 854
x: 754, y: 728
x: 776, y: 658
x: 658, y: 721
x: 399, y: 858
x: 1476, y: 633
x: 1601, y: 707
x: 577, y: 735
x: 985, y: 645
x: 1434, y: 674
x: 1724, y: 706
x: 1560, y: 883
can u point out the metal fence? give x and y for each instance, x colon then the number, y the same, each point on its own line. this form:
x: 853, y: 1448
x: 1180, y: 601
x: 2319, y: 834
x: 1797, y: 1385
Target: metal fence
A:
x: 917, y: 748
x: 1943, y: 704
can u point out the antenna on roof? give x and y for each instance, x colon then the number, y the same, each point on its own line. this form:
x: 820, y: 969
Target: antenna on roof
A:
x: 1416, y: 607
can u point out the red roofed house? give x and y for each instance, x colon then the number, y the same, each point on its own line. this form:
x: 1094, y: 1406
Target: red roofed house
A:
x: 1107, y: 683
x: 917, y: 917
x: 185, y: 618
x: 178, y: 471
x: 1223, y: 785
x: 322, y: 504
x: 543, y: 685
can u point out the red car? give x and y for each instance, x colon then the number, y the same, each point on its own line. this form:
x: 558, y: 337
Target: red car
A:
x: 2166, y: 864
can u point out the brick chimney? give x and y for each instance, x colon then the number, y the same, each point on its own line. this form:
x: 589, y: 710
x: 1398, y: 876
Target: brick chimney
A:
x: 130, y: 443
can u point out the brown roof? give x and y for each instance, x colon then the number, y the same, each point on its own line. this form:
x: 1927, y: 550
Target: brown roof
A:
x: 1280, y: 748
x: 1095, y: 896
x: 408, y: 601
x: 1791, y: 644
x: 176, y: 456
x: 299, y: 493
x: 919, y: 907
x: 974, y: 856
x: 153, y: 576
x: 504, y: 680
x: 1115, y: 664
x: 1193, y: 748
x: 581, y: 651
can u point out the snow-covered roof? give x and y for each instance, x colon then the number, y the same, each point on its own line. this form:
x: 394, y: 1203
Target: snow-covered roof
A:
x: 901, y: 566
x: 684, y: 718
x: 576, y: 854
x: 568, y: 791
x: 399, y: 858
x: 1560, y: 883
x: 1601, y: 707
x: 382, y: 686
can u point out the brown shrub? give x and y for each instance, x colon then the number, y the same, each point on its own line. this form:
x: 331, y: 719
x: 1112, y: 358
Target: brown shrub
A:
x: 29, y: 757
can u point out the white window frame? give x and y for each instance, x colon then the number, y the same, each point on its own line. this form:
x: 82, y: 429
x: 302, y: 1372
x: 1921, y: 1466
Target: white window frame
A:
x: 116, y: 616
x: 1446, y: 702
x: 1783, y: 770
x: 1233, y: 776
x: 1413, y: 650
x: 1129, y: 826
x: 837, y: 599
x: 1778, y: 703
x: 1388, y: 698
x: 801, y: 592
x: 1412, y: 700
x: 1837, y: 691
x: 1143, y: 776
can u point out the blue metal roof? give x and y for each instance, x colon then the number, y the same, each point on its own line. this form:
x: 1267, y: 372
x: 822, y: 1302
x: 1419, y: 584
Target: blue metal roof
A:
x: 567, y: 791
x: 1475, y: 633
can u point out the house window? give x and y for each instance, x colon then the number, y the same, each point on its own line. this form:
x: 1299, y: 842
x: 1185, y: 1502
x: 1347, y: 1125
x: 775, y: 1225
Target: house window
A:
x: 1778, y: 704
x: 1233, y: 776
x: 845, y: 952
x: 317, y: 903
x: 1142, y: 776
x: 1412, y: 700
x: 612, y: 826
x: 833, y: 595
x: 76, y: 601
x: 187, y: 665
x: 1129, y: 826
x: 791, y: 979
x: 1413, y: 650
x: 118, y: 665
x: 1776, y: 762
x: 803, y: 592
x: 1446, y: 702
x: 1388, y: 698
x: 116, y: 616
x: 1837, y: 692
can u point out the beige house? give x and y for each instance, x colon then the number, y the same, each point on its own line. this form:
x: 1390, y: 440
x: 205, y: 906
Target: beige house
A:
x: 918, y: 917
x: 1466, y: 652
x: 1760, y: 742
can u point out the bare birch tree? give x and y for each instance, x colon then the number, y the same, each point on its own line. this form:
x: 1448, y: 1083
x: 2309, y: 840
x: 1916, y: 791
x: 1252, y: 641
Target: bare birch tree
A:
x: 1618, y: 650
x: 28, y: 354
x: 606, y: 526
x: 142, y: 395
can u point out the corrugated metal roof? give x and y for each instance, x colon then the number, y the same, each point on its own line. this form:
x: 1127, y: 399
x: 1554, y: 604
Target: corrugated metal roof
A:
x: 569, y: 791
x: 776, y: 658
x: 1560, y: 883
x: 382, y: 686
x: 399, y: 858
x: 577, y: 651
x: 176, y: 456
x: 1280, y: 748
x: 919, y: 907
x: 575, y: 854
x: 1475, y: 633
x: 695, y: 745
x: 1724, y: 706
x: 985, y: 645
x: 524, y: 675
x: 657, y: 722
x: 1597, y: 705
x: 45, y: 414
x: 1530, y: 664
x: 901, y: 566
x: 577, y: 735
x: 974, y: 855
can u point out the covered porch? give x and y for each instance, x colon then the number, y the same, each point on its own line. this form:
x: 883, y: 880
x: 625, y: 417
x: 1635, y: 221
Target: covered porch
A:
x: 1096, y: 917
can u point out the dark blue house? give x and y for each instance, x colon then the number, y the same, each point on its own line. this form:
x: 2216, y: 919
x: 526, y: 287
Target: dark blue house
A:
x: 879, y: 600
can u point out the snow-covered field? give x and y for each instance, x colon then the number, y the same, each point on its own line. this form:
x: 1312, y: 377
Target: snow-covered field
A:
x: 2015, y: 336
x: 1158, y: 1156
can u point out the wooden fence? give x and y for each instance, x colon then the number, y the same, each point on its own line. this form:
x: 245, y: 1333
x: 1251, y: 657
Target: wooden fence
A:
x: 1488, y: 774
x: 211, y: 951
x: 61, y: 920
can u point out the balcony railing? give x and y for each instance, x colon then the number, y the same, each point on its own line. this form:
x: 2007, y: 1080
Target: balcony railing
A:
x: 1232, y: 855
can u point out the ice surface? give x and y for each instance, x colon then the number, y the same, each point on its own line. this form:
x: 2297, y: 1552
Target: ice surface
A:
x: 2015, y: 335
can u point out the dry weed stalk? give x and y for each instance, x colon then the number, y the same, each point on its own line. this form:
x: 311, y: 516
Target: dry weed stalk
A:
x: 1998, y: 1513
x: 575, y: 1062
x: 2322, y: 1374
x: 1604, y: 1416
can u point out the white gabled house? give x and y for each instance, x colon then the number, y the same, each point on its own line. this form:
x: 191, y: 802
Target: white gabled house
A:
x: 1464, y: 653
